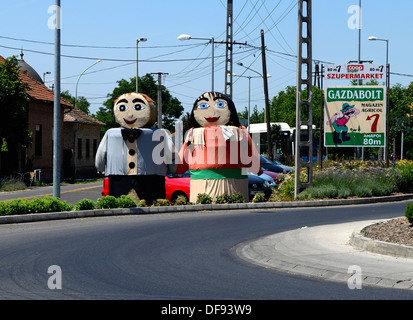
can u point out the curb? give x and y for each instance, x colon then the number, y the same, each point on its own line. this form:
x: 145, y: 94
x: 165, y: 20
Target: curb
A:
x: 34, y: 217
x: 358, y: 241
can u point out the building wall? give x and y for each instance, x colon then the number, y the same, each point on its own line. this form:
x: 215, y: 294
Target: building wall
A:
x: 41, y: 122
x: 80, y: 142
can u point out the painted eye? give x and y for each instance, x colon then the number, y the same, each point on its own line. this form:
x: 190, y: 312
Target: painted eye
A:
x: 203, y: 105
x: 221, y: 104
x: 122, y: 107
x: 138, y: 107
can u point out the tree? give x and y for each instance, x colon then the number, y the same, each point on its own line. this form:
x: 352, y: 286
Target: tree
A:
x: 171, y: 107
x: 14, y: 128
x: 255, y: 116
x: 82, y: 102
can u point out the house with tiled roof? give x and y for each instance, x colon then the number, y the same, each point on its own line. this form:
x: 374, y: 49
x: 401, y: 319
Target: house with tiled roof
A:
x: 80, y: 132
x: 81, y: 135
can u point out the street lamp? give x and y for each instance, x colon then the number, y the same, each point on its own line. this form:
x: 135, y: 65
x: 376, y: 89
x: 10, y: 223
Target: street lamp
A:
x: 372, y: 38
x: 97, y: 61
x: 267, y: 110
x: 183, y: 37
x: 137, y: 42
x: 249, y: 91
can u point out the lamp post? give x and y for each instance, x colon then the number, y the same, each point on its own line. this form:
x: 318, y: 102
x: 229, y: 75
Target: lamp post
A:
x: 97, y: 61
x: 372, y: 38
x: 137, y: 43
x: 183, y: 37
x: 249, y: 89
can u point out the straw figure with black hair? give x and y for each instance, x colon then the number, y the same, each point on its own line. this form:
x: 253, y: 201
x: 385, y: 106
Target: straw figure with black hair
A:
x: 217, y: 149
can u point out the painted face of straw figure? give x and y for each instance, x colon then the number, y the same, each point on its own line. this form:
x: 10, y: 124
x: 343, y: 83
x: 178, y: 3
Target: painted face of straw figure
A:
x: 135, y: 110
x: 212, y: 109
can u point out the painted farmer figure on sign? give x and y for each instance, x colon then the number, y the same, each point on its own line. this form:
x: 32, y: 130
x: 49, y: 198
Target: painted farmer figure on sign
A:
x: 339, y: 122
x: 135, y: 156
x: 216, y: 149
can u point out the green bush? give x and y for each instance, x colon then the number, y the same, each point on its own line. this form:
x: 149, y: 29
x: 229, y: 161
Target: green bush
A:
x: 408, y: 213
x: 126, y: 202
x: 405, y: 169
x: 223, y: 198
x: 203, y: 198
x: 107, y: 202
x: 180, y: 200
x: 18, y: 206
x: 259, y: 197
x: 142, y: 203
x: 4, y: 209
x: 237, y: 198
x: 85, y: 204
x: 161, y: 203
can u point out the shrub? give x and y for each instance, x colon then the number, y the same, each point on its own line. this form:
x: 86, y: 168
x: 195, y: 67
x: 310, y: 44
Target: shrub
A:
x: 259, y: 197
x: 142, y: 203
x: 161, y: 203
x: 180, y: 200
x: 107, y: 202
x: 11, y: 185
x: 85, y: 204
x: 203, y: 198
x: 237, y: 198
x: 223, y: 198
x: 405, y: 168
x: 126, y: 202
x: 18, y: 206
x: 54, y: 204
x: 408, y: 213
x: 3, y: 208
x: 38, y: 205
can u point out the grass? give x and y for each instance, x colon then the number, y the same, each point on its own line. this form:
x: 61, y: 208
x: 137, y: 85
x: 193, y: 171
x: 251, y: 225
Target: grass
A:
x: 345, y: 179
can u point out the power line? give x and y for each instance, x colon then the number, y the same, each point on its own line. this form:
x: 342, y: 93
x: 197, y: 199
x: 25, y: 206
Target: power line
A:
x: 95, y: 47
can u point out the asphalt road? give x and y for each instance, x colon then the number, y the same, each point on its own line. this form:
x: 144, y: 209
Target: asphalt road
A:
x: 72, y: 193
x: 170, y: 257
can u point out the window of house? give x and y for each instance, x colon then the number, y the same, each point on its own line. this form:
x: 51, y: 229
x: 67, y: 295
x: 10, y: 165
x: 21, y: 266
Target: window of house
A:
x: 87, y: 148
x: 38, y: 140
x: 95, y: 147
x: 79, y: 148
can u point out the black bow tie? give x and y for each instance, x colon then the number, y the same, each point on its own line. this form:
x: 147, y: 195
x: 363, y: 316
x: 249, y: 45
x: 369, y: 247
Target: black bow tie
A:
x: 126, y: 133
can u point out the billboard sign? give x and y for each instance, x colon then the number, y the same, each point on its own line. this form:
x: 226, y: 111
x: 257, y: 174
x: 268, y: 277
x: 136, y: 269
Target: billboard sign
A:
x: 355, y: 72
x: 355, y: 116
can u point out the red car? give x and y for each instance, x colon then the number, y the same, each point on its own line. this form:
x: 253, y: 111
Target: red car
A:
x: 175, y: 185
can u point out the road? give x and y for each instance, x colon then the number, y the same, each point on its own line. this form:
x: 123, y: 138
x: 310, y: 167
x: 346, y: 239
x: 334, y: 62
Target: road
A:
x: 71, y: 193
x: 186, y: 256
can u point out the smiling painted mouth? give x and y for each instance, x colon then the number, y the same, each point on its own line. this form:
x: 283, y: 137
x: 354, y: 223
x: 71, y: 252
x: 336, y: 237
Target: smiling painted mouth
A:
x: 130, y: 121
x: 212, y: 119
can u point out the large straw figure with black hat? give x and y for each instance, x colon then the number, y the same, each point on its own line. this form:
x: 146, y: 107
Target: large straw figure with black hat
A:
x: 217, y: 149
x: 135, y: 157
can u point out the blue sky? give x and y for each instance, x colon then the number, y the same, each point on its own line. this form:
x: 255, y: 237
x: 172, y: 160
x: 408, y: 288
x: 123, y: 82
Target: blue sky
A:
x: 107, y: 30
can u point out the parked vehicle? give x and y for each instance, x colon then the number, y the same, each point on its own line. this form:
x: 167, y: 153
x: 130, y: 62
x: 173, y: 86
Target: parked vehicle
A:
x: 267, y: 164
x: 179, y: 184
x: 284, y: 167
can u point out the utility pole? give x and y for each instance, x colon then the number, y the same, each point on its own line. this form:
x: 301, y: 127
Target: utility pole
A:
x: 56, y: 108
x: 160, y: 98
x: 228, y: 51
x: 267, y: 105
x: 304, y: 114
x: 318, y: 81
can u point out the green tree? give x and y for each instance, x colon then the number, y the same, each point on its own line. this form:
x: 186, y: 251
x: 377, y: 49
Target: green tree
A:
x: 255, y: 116
x: 14, y: 131
x: 171, y: 106
x: 82, y: 102
x: 283, y: 106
